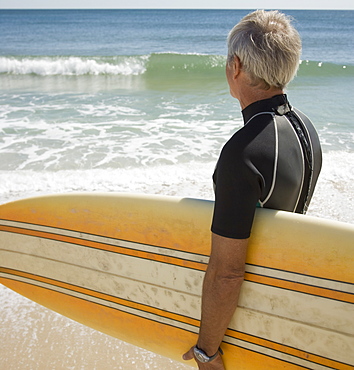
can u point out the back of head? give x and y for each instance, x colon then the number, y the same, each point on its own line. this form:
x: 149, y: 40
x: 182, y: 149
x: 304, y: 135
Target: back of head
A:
x: 268, y: 46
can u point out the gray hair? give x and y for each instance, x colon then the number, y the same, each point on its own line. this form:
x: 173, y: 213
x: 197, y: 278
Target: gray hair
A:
x: 268, y: 46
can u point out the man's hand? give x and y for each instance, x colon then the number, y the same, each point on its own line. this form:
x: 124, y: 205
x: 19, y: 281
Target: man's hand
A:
x: 216, y: 364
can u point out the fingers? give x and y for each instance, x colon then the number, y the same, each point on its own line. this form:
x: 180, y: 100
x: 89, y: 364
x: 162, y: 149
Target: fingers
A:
x: 188, y: 355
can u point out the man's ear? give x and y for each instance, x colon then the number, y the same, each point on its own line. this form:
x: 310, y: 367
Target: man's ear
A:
x: 236, y: 66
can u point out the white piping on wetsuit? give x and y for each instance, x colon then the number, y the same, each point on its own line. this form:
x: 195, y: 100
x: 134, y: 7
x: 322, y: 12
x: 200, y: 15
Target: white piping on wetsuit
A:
x: 258, y: 114
x: 275, y: 162
x: 276, y: 156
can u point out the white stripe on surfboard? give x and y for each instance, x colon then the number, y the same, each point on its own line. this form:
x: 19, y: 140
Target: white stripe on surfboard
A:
x: 168, y: 321
x: 187, y: 256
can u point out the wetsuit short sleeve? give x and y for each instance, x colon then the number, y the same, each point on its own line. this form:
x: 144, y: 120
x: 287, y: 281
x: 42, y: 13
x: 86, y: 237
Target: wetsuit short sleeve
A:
x: 237, y: 191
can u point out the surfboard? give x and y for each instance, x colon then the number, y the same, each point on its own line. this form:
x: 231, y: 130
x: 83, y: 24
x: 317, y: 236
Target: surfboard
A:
x: 132, y: 266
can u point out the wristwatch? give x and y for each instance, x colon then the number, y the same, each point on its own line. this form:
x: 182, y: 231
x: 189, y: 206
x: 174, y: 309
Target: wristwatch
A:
x: 201, y: 356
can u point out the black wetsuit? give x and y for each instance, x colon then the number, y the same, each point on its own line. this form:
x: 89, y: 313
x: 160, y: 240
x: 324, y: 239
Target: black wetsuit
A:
x: 273, y: 161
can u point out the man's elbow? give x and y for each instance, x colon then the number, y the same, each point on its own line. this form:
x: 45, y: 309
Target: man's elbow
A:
x: 231, y: 277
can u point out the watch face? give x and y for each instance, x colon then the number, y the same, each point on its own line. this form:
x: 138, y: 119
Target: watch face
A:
x: 200, y: 355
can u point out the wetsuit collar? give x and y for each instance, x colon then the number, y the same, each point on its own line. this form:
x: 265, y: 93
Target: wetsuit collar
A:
x: 278, y: 104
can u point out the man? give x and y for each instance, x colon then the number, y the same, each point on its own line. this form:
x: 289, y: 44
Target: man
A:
x: 273, y: 161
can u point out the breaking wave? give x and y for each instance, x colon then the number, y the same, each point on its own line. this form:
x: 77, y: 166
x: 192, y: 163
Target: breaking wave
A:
x: 156, y: 64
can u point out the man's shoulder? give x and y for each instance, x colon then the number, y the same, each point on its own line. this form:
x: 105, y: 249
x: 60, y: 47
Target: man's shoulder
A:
x: 253, y: 128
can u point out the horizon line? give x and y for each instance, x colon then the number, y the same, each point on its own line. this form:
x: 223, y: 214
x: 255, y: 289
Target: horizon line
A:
x: 157, y: 8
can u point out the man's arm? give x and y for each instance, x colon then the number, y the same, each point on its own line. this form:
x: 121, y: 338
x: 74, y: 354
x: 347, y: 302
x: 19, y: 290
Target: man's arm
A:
x: 221, y: 288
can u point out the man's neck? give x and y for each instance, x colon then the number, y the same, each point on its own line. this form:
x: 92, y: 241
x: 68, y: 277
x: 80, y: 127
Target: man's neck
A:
x: 251, y: 95
x: 248, y: 94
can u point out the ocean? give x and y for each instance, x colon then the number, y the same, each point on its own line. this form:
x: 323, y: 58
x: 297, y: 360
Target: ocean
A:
x: 137, y: 101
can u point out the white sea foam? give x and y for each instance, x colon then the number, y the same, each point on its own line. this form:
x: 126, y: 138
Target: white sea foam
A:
x: 94, y: 138
x: 334, y: 195
x: 72, y: 66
